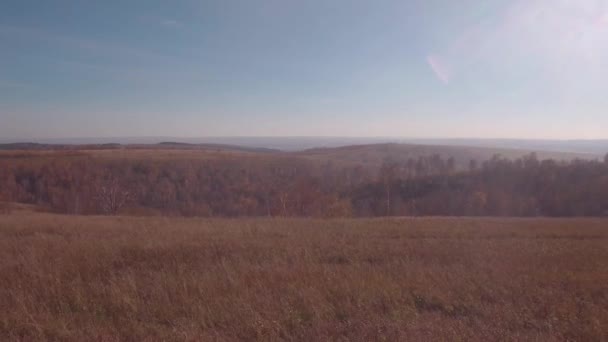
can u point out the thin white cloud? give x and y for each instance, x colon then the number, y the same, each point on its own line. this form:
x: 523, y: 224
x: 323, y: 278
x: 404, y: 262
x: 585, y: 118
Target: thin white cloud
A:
x: 155, y: 20
x: 65, y: 41
x: 121, y: 62
x: 170, y: 23
x: 139, y: 75
x: 7, y: 84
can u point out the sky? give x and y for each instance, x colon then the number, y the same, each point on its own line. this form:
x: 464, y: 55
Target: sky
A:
x: 195, y: 68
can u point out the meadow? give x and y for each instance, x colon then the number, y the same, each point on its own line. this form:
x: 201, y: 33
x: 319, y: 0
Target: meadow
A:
x: 76, y: 278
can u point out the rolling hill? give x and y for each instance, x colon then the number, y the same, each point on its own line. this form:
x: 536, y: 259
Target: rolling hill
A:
x: 367, y: 154
x: 376, y: 154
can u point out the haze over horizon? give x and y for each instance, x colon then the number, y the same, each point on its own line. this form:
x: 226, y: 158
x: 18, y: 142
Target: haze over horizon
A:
x: 522, y: 69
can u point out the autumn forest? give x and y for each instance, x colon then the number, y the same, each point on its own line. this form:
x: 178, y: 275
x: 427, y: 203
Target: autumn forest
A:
x: 220, y: 183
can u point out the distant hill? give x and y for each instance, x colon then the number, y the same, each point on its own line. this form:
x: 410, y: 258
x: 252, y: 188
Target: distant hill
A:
x: 594, y: 146
x: 27, y: 146
x: 597, y: 147
x: 371, y: 155
x: 221, y: 147
x: 375, y: 154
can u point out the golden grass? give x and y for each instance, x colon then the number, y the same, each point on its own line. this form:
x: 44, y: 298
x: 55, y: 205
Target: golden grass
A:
x: 134, y: 279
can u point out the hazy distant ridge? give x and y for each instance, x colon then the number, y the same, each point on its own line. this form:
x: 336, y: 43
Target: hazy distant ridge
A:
x: 593, y: 147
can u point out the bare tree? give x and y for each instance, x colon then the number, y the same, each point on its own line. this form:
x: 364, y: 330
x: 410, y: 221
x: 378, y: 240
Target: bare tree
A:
x: 111, y: 196
x: 473, y: 165
x: 388, y: 175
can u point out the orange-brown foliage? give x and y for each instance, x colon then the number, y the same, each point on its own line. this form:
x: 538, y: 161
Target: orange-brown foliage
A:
x: 175, y: 182
x: 74, y: 278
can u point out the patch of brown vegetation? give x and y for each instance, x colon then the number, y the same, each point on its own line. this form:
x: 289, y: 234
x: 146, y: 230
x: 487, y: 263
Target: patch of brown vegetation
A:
x: 5, y: 208
x: 132, y: 279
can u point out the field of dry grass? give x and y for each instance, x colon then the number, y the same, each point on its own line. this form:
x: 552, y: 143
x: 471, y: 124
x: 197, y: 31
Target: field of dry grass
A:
x: 136, y: 279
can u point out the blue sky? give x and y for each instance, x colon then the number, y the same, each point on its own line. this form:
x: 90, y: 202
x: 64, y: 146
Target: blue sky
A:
x: 192, y: 68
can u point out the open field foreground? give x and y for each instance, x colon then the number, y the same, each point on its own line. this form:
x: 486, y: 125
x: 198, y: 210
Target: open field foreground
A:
x: 71, y: 278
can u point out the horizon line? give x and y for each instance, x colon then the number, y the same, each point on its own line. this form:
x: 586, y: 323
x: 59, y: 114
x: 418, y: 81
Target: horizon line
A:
x: 34, y: 139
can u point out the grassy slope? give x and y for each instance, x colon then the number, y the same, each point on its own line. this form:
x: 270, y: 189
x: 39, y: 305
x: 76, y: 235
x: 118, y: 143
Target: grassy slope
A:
x: 132, y: 279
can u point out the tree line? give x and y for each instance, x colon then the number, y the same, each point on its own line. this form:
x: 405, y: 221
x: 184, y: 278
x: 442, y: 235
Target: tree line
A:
x: 291, y: 186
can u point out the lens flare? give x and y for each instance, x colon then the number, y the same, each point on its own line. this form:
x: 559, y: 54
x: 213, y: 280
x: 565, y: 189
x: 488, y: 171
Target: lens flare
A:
x: 439, y: 68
